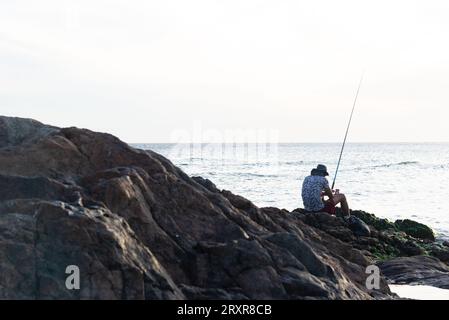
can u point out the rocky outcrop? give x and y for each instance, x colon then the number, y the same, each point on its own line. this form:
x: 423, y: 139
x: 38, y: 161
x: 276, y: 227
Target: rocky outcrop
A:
x: 404, y: 250
x: 137, y: 227
x: 419, y: 270
x: 415, y: 229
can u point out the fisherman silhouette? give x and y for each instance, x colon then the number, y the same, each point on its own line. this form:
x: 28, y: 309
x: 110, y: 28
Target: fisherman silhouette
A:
x: 315, y: 187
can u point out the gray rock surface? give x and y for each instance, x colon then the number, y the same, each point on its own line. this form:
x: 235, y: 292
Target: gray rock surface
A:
x: 418, y: 270
x: 16, y: 131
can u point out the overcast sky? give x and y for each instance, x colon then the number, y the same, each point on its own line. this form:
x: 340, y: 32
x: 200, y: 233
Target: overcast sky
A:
x: 151, y: 71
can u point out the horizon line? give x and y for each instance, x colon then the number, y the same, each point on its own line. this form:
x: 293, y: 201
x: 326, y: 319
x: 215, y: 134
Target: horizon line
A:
x: 299, y: 142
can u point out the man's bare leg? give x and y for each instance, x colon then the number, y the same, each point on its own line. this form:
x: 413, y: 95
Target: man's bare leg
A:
x: 341, y: 198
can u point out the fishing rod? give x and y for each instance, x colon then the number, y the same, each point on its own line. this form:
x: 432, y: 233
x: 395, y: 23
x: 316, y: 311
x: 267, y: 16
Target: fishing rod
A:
x: 347, y: 131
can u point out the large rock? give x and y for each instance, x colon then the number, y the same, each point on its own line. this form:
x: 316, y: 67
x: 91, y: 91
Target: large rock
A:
x: 139, y: 228
x: 418, y: 270
x: 415, y: 229
x: 359, y: 227
x: 39, y: 239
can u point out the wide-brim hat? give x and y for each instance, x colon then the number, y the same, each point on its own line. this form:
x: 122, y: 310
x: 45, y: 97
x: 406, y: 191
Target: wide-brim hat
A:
x: 320, y: 169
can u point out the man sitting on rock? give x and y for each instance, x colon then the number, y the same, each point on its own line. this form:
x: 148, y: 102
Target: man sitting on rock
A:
x: 315, y: 187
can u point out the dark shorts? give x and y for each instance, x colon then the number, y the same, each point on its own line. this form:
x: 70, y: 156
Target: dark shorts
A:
x: 329, y: 208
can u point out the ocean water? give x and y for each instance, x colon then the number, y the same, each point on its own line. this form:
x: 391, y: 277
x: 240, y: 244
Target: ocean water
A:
x: 393, y: 181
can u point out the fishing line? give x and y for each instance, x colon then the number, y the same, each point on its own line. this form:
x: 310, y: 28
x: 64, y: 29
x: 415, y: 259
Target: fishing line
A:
x: 347, y: 131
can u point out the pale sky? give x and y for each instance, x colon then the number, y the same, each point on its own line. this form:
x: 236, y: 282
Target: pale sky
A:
x: 149, y: 71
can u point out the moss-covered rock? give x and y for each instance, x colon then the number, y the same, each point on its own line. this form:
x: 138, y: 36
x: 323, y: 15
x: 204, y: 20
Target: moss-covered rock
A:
x: 388, y: 240
x: 385, y: 240
x: 372, y: 220
x: 415, y: 229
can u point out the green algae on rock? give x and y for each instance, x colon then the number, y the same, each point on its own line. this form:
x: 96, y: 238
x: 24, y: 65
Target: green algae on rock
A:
x: 415, y: 229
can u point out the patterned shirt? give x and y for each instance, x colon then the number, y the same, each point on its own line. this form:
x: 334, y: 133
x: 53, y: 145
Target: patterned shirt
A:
x: 311, y: 192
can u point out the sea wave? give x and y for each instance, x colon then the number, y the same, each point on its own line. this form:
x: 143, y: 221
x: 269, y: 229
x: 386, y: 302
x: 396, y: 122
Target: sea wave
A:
x: 388, y: 165
x: 397, y: 164
x: 254, y: 175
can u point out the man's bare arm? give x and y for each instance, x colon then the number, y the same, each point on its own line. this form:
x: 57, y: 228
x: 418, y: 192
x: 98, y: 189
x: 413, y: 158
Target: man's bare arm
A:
x: 328, y: 192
